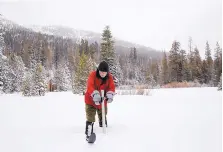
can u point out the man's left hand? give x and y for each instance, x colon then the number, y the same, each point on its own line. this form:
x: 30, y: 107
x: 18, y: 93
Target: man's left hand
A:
x: 109, y: 96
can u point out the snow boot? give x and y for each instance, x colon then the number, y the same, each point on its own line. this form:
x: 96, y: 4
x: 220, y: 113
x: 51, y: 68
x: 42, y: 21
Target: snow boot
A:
x: 90, y: 135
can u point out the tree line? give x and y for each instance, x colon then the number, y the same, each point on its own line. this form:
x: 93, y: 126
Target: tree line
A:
x: 30, y: 62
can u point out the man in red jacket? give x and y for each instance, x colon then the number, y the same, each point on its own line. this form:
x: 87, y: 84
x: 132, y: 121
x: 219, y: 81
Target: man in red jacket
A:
x: 98, y: 80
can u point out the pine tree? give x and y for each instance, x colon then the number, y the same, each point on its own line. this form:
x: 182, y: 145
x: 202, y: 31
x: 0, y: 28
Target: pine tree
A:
x: 192, y: 66
x: 2, y: 45
x: 198, y: 64
x: 150, y: 79
x: 9, y: 77
x: 133, y: 70
x: 83, y: 47
x: 32, y: 59
x: 76, y: 58
x: 191, y: 62
x: 107, y: 45
x: 41, y: 56
x: 217, y: 64
x: 126, y: 70
x: 183, y: 73
x: 107, y: 51
x: 165, y: 74
x: 187, y: 74
x: 90, y: 65
x: 28, y: 84
x: 220, y: 83
x: 39, y: 86
x: 174, y: 61
x: 204, y: 71
x: 209, y: 62
x: 1, y: 75
x: 81, y: 74
x: 120, y: 77
x: 63, y: 77
x: 160, y: 76
x: 139, y: 78
x: 93, y: 50
x: 18, y: 67
x: 190, y: 43
x: 155, y: 72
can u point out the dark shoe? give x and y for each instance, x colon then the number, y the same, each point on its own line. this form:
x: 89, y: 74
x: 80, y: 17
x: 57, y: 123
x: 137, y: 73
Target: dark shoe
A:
x: 91, y: 138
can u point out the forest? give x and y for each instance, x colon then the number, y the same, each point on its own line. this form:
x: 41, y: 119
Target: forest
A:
x: 34, y: 63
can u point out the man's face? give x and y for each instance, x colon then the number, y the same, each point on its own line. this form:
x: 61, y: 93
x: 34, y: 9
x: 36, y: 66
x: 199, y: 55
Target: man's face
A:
x: 102, y: 74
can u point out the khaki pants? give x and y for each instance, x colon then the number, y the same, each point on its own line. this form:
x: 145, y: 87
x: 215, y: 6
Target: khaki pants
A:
x: 91, y: 112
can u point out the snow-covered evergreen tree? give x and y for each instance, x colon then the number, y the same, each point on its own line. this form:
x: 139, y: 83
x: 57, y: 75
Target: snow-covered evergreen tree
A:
x: 209, y: 62
x: 34, y: 82
x: 8, y: 76
x: 220, y: 84
x: 204, y: 71
x: 63, y: 77
x: 49, y: 76
x: 119, y: 78
x: 198, y: 64
x: 217, y: 65
x: 125, y: 70
x: 132, y: 70
x: 27, y: 89
x: 2, y: 45
x: 32, y: 59
x: 90, y: 65
x: 165, y: 73
x: 108, y: 52
x: 18, y: 67
x: 159, y: 82
x: 2, y: 75
x: 182, y: 66
x: 150, y: 80
x: 39, y: 87
x: 139, y: 77
x: 212, y: 82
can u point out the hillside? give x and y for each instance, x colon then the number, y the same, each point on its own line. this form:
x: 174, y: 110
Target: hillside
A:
x: 120, y: 45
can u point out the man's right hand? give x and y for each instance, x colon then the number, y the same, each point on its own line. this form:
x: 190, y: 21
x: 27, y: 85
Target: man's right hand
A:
x: 96, y: 97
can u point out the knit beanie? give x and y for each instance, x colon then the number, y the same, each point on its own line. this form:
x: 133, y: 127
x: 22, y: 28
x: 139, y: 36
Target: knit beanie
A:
x: 103, y: 66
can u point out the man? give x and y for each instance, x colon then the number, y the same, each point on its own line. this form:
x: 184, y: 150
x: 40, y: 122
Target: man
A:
x: 98, y: 80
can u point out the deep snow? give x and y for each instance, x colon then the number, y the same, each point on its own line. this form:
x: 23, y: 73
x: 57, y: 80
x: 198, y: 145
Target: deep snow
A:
x: 169, y: 120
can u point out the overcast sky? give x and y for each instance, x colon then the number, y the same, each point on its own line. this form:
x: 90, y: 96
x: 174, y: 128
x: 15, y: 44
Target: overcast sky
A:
x: 153, y: 23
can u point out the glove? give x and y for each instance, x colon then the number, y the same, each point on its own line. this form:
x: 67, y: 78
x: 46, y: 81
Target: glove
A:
x: 96, y: 97
x: 109, y: 96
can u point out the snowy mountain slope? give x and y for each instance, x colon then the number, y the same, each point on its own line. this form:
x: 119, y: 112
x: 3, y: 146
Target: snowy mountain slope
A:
x: 170, y: 120
x: 7, y: 25
x: 81, y: 34
x: 120, y: 45
x: 66, y: 32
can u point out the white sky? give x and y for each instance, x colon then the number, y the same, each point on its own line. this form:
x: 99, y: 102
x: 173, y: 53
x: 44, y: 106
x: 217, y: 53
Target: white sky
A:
x: 153, y: 23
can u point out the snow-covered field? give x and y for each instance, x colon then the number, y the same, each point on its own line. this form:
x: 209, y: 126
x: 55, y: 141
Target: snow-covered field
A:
x: 169, y: 120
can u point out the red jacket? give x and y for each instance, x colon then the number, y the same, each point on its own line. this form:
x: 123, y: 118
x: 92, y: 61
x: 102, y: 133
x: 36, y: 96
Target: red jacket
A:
x: 93, y: 83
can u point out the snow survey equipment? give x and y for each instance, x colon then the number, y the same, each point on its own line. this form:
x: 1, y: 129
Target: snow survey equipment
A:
x: 103, y: 111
